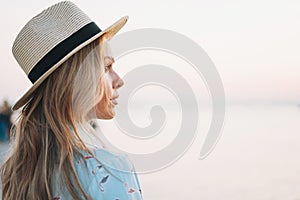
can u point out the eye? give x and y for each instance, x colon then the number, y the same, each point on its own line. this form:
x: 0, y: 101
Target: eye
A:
x: 108, y: 67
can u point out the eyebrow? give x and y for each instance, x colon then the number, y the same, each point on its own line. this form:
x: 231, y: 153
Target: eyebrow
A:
x: 110, y: 58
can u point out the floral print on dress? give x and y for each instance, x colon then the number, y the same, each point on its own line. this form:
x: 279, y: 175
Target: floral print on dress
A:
x: 98, y: 167
x: 99, y: 184
x: 84, y: 158
x: 131, y: 190
x: 103, y: 181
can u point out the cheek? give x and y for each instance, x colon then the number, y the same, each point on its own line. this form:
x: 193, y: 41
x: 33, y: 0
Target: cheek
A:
x: 108, y: 82
x: 107, y: 89
x: 104, y: 109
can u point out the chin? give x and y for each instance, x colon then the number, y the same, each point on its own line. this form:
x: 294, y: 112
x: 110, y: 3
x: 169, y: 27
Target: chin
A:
x: 106, y: 116
x: 105, y: 110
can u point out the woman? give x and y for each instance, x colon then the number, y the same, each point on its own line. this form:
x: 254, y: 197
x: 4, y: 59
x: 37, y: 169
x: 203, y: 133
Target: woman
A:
x: 68, y: 59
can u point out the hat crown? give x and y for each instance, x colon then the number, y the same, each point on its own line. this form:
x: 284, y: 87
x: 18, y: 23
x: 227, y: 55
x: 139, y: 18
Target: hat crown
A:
x: 45, y: 31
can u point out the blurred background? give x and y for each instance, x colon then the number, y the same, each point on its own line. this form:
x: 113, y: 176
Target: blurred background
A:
x: 255, y: 47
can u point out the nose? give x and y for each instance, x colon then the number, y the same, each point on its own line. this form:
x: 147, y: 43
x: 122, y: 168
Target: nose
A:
x: 117, y: 81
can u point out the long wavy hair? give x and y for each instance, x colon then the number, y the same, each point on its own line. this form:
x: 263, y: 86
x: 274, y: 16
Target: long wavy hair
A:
x: 45, y: 136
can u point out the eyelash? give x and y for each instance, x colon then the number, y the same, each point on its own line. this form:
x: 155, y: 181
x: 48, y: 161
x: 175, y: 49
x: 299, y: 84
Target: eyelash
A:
x: 107, y: 67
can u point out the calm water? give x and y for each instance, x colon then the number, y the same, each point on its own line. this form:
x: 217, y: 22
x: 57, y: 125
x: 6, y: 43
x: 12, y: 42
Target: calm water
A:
x: 257, y: 158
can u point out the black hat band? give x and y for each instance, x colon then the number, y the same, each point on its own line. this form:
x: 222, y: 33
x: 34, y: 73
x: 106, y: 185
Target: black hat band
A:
x: 63, y: 49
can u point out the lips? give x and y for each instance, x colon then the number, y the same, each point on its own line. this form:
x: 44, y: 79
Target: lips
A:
x: 114, y: 100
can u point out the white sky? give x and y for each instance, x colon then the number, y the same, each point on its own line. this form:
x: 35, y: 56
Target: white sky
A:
x: 254, y: 44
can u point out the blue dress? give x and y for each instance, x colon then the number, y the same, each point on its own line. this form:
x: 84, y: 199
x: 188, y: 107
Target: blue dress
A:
x: 121, y: 184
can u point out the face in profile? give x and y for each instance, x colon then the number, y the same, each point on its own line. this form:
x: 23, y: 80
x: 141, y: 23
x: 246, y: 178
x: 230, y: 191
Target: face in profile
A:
x: 105, y: 109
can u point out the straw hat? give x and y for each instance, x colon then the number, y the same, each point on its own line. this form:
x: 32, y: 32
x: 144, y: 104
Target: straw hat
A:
x: 53, y: 36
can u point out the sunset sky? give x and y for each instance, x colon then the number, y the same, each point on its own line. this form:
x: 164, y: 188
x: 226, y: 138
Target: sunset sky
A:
x: 255, y: 44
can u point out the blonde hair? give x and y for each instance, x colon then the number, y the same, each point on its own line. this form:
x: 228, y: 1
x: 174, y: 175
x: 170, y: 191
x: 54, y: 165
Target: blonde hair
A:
x: 46, y: 140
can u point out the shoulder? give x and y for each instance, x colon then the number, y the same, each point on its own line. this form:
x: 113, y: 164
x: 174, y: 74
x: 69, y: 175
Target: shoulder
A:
x: 109, y: 159
x: 105, y: 175
x: 108, y: 174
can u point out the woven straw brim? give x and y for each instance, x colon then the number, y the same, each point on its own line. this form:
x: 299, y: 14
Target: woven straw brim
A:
x: 109, y: 33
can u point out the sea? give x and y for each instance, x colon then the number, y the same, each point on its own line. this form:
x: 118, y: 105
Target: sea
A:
x: 257, y: 157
